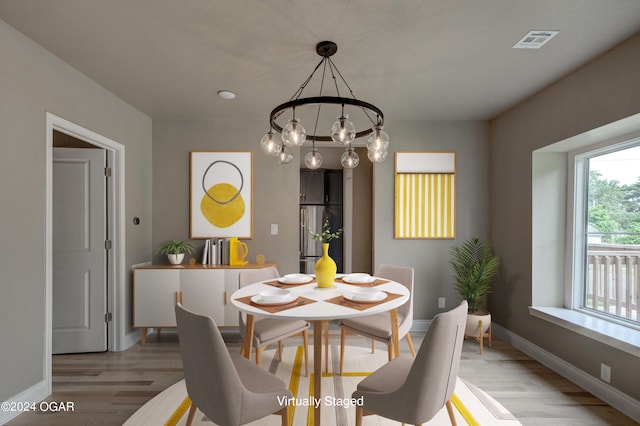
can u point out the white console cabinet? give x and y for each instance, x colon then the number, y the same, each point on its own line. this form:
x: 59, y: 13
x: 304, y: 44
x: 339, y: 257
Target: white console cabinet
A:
x: 202, y: 289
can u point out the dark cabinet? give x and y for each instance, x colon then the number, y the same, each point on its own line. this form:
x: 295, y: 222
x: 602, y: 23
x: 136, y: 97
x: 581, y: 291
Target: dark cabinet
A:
x: 311, y: 187
x: 333, y: 187
x: 320, y: 186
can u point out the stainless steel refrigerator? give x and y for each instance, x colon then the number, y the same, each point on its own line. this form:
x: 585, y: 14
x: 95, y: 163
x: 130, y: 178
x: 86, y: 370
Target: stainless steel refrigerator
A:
x: 311, y: 218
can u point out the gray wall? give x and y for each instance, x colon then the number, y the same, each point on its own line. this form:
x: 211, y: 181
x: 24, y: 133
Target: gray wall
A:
x: 32, y: 82
x: 275, y: 186
x: 606, y: 90
x: 429, y: 257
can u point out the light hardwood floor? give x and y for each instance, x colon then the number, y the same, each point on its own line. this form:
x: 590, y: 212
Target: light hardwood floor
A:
x: 106, y: 388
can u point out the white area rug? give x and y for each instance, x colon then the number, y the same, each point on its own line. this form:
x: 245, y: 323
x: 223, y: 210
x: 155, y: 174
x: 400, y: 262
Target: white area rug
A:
x: 472, y: 405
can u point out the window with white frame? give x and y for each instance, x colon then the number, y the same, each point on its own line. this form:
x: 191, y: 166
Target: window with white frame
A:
x: 574, y: 225
x: 607, y: 231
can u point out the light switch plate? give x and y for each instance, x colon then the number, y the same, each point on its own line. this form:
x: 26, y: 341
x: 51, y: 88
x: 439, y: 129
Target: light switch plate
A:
x: 274, y: 229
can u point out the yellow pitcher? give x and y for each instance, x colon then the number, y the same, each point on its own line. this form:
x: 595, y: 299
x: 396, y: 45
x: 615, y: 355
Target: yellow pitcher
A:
x: 238, y: 252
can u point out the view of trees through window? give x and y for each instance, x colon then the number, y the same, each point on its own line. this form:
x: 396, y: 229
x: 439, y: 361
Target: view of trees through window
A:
x: 613, y: 234
x: 614, y: 208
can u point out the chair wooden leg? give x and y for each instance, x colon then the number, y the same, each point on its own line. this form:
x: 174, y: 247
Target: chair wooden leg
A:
x: 373, y: 346
x: 284, y: 413
x: 259, y: 355
x: 342, y: 341
x: 481, y: 336
x: 390, y: 351
x: 192, y: 414
x: 248, y: 338
x: 452, y: 417
x: 280, y: 350
x: 489, y: 334
x: 305, y: 339
x: 359, y: 416
x: 411, y: 348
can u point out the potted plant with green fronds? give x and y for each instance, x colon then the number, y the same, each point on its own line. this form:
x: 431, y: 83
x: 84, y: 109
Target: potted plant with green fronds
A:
x: 475, y: 266
x: 175, y: 250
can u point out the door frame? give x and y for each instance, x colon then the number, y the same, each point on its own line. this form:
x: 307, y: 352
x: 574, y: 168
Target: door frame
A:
x: 116, y: 277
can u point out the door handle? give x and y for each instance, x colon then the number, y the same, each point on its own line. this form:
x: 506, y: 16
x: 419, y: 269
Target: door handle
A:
x: 226, y: 298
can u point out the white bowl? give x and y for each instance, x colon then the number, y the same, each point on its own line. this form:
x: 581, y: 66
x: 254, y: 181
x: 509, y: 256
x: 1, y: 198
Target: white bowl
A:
x: 274, y: 295
x: 295, y: 279
x: 365, y: 294
x: 358, y: 278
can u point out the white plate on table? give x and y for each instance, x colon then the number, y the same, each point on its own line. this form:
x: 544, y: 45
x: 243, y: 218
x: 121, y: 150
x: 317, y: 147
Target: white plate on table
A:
x: 295, y: 279
x: 358, y: 279
x: 274, y: 297
x: 365, y: 295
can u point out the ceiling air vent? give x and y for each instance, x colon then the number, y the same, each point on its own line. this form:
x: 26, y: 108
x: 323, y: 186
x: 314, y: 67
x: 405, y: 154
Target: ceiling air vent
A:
x: 535, y: 39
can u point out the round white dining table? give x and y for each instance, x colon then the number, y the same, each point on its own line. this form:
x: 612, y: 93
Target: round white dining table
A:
x: 319, y: 305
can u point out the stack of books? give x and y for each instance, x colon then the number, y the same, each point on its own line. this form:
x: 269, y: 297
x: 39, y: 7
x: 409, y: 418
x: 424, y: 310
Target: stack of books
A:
x: 216, y: 251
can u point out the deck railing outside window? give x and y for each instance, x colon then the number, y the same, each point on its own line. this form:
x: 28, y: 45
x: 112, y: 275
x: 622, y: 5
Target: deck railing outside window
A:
x: 613, y: 279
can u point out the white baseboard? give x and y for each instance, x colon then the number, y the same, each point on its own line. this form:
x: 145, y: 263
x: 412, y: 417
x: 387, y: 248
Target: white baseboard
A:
x: 34, y: 394
x: 130, y: 339
x: 612, y: 396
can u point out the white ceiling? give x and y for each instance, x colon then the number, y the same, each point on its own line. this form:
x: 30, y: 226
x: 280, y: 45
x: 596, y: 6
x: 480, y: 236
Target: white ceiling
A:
x: 415, y: 59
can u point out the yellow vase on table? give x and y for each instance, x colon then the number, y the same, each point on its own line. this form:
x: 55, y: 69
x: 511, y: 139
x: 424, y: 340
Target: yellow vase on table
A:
x: 325, y: 268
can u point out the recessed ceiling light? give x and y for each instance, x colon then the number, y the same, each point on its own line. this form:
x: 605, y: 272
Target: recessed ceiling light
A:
x: 535, y: 39
x: 226, y: 94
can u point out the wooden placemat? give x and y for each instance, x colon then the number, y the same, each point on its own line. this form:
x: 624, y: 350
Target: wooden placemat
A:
x: 374, y: 283
x: 276, y: 283
x: 279, y: 308
x: 340, y: 300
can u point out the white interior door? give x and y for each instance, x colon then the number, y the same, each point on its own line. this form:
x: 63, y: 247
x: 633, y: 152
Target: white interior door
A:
x: 79, y: 254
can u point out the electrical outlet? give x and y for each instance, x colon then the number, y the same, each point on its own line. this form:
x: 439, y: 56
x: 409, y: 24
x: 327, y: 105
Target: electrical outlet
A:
x: 274, y: 229
x: 605, y: 373
x: 441, y: 302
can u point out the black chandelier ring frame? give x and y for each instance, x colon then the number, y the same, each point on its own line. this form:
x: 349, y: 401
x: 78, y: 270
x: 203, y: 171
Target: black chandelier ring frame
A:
x: 336, y: 100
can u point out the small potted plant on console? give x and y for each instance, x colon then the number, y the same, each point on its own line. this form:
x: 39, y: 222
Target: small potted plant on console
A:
x: 175, y: 250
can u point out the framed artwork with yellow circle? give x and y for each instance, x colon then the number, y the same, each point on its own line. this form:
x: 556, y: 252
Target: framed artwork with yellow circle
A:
x: 221, y: 199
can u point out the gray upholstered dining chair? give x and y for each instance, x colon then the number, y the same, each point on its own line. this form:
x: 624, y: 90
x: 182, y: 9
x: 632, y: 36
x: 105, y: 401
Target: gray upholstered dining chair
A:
x: 378, y: 326
x: 227, y: 388
x: 269, y: 330
x: 413, y: 390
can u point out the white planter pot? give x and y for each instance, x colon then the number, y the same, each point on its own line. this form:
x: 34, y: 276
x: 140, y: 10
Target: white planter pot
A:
x: 473, y: 324
x: 175, y: 259
x: 478, y: 326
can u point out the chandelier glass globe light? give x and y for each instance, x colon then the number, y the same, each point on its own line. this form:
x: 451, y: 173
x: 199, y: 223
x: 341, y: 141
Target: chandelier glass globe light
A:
x: 352, y: 119
x: 284, y: 155
x: 313, y: 159
x: 343, y: 131
x: 293, y: 133
x: 377, y: 145
x: 350, y: 159
x: 269, y: 145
